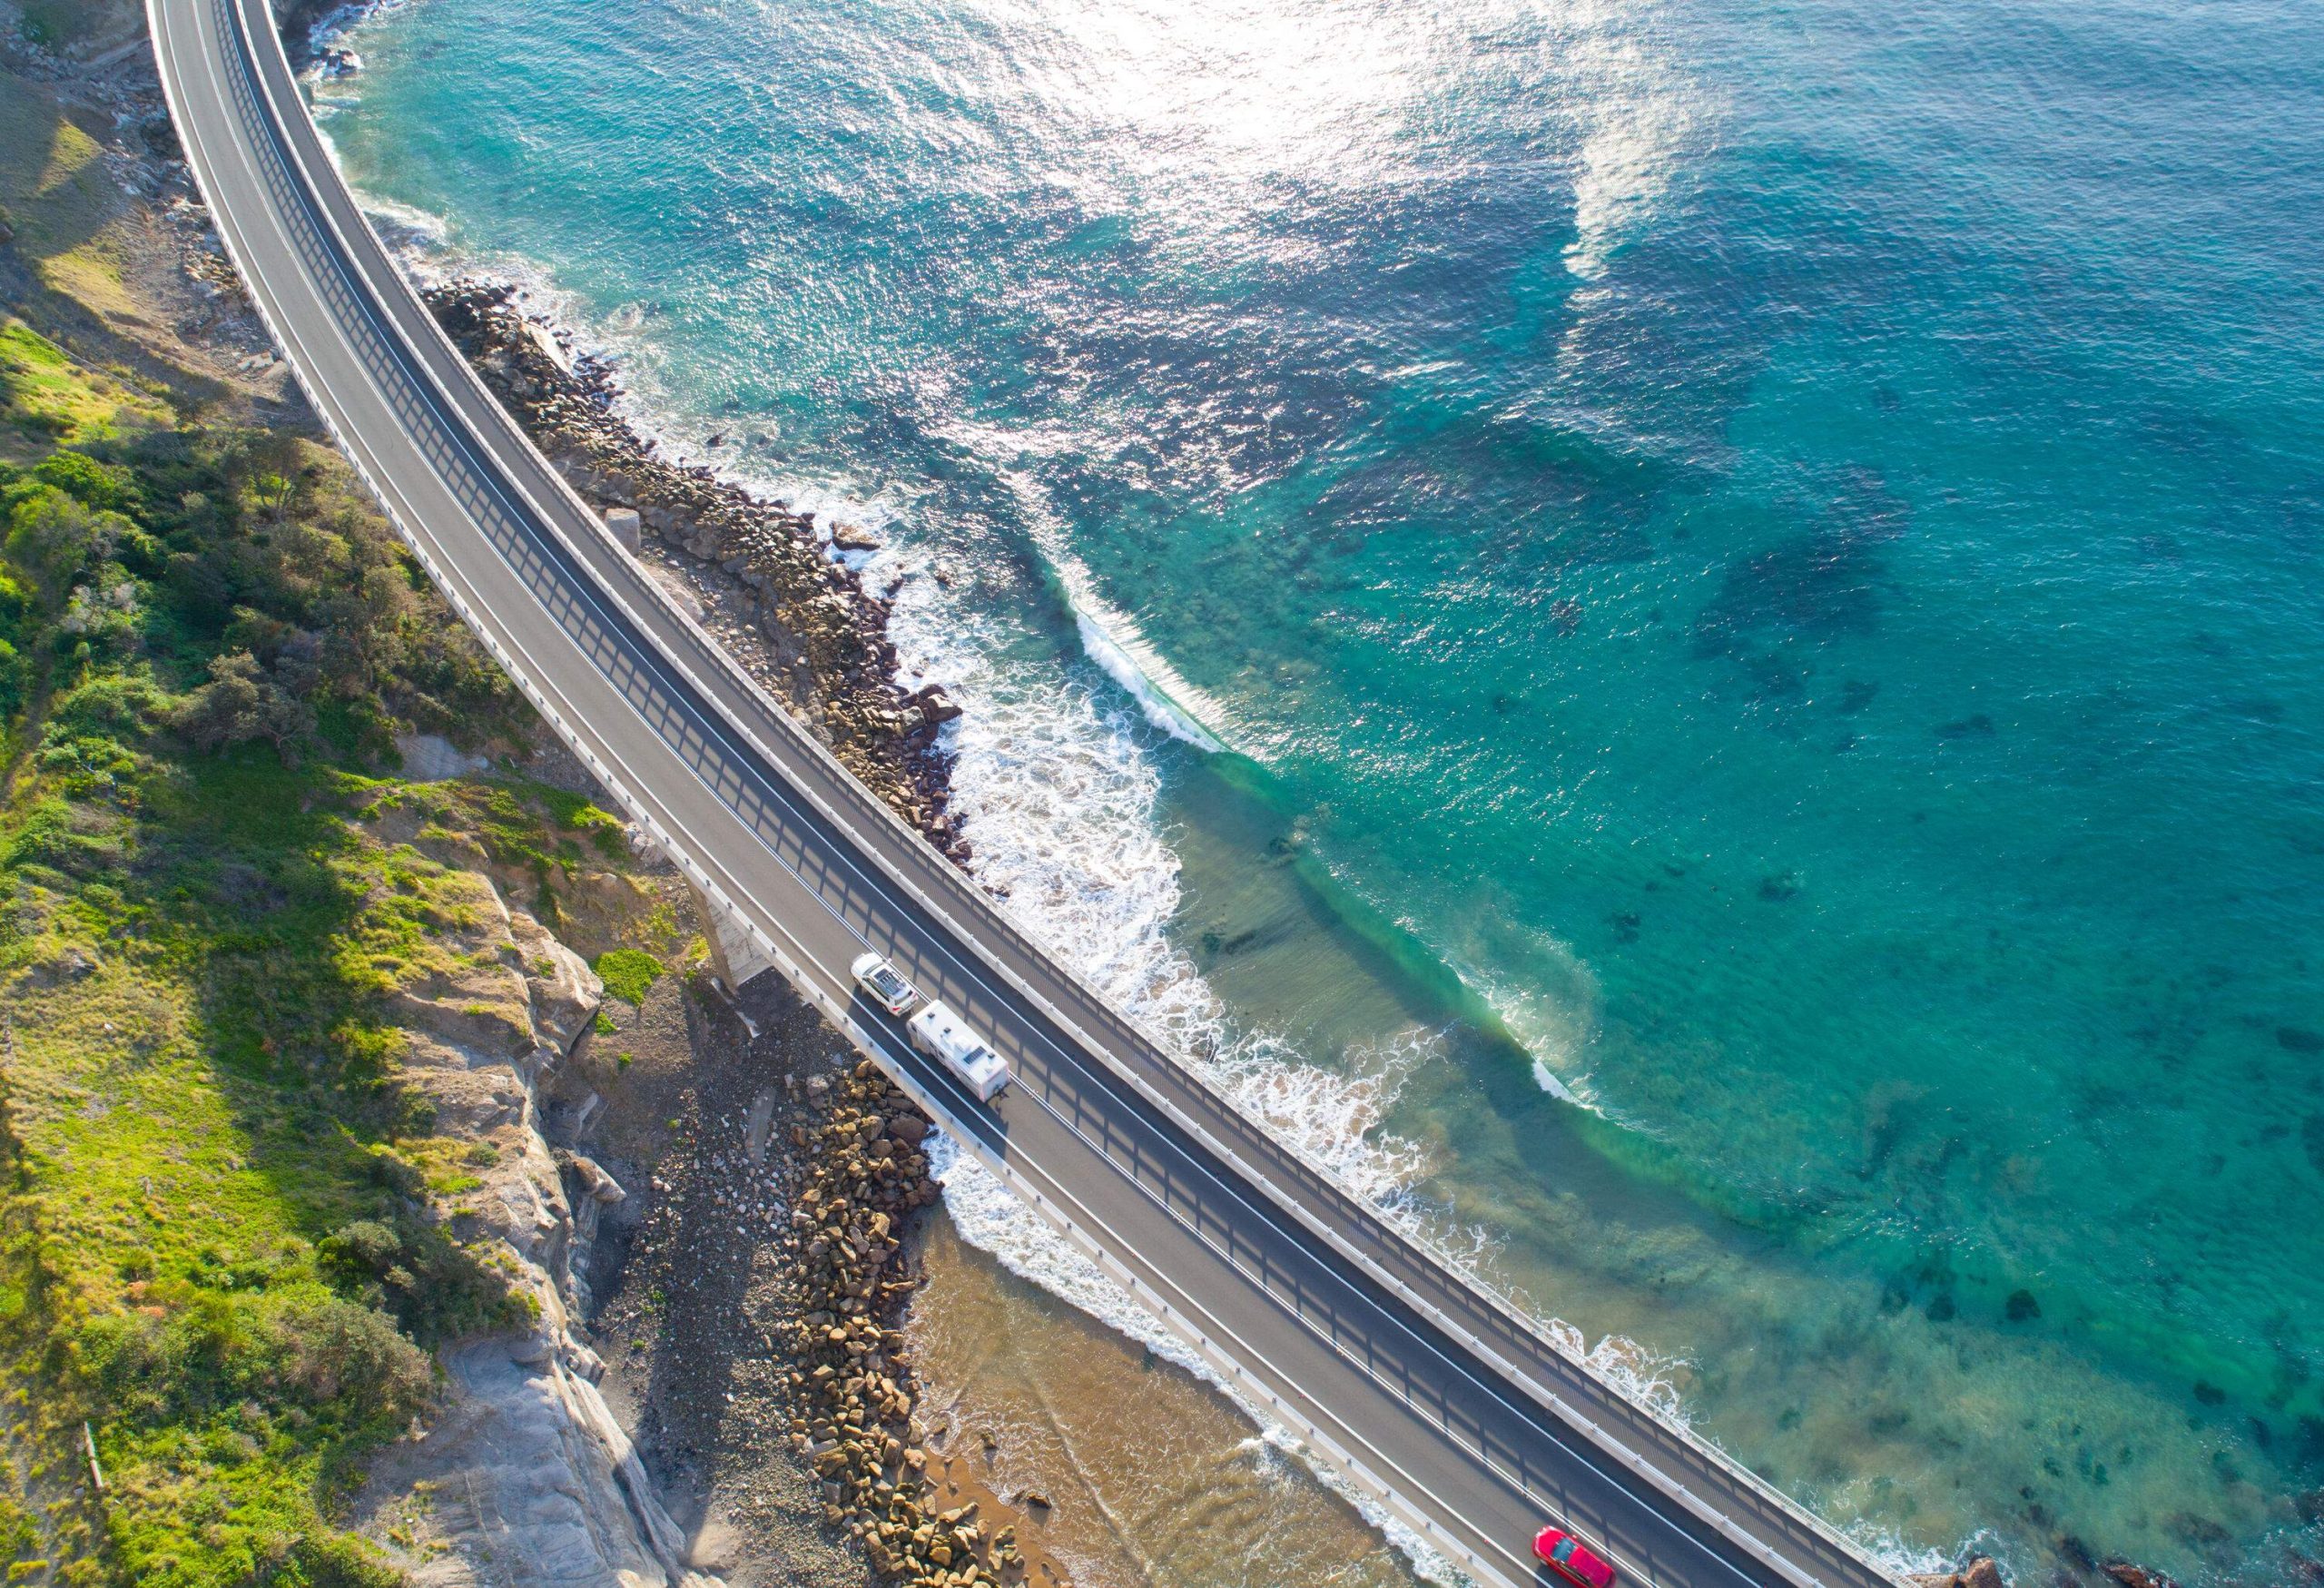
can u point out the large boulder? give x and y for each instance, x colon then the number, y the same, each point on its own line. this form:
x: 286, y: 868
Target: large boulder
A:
x: 1980, y: 1573
x: 566, y: 992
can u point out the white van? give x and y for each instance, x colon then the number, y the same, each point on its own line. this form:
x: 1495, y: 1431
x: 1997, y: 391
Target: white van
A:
x: 943, y: 1036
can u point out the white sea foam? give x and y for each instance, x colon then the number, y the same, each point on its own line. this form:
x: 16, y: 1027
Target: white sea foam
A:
x: 1899, y: 1559
x: 992, y: 1218
x: 405, y: 228
x: 1116, y: 657
x: 1056, y: 787
x: 1115, y: 644
x: 1110, y: 636
x: 1554, y: 1020
x: 1549, y: 1082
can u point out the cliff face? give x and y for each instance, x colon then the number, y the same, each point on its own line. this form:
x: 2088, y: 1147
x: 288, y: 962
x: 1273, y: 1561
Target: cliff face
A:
x: 525, y: 1474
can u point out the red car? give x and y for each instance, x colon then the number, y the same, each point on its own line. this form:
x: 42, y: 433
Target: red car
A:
x: 1572, y: 1559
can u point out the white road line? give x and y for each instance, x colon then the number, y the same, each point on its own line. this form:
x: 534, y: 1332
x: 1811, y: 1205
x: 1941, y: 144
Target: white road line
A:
x: 540, y: 527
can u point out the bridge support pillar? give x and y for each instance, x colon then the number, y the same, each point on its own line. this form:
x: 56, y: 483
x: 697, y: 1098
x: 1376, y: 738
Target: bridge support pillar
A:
x: 735, y: 954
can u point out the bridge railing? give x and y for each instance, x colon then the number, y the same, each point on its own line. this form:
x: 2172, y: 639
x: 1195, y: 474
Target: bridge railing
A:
x: 1413, y: 1268
x: 1451, y: 1299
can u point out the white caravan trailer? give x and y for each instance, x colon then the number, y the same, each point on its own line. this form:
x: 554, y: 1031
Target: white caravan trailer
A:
x: 944, y: 1037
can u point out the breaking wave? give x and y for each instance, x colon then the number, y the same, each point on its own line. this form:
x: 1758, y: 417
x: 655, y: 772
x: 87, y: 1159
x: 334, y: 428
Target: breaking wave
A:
x: 1056, y: 787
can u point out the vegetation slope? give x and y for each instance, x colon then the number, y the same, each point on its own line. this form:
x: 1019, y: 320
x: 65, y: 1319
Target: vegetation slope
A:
x: 222, y: 1265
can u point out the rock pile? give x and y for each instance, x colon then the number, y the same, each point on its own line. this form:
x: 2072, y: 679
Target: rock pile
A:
x: 827, y: 654
x: 1980, y: 1573
x: 851, y: 1382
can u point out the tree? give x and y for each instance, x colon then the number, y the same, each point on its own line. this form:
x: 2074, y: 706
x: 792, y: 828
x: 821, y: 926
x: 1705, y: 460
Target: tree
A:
x: 240, y: 703
x: 53, y: 537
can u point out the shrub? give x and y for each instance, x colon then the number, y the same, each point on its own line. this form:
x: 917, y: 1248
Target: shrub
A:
x: 93, y: 484
x: 629, y: 974
x: 435, y: 1289
x: 55, y: 538
x: 350, y: 1361
x: 240, y: 703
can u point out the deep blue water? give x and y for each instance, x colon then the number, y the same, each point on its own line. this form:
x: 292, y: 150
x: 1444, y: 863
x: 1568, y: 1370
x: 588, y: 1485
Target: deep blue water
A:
x: 1753, y: 567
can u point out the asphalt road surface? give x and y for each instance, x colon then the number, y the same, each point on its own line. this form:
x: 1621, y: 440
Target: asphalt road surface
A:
x: 1464, y: 1422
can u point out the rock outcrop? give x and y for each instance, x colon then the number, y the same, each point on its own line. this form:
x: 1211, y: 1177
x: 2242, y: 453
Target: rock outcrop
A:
x: 530, y: 1480
x: 2131, y: 1576
x: 1980, y: 1573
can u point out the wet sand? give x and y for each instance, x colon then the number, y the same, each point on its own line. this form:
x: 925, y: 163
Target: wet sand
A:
x: 1156, y: 1479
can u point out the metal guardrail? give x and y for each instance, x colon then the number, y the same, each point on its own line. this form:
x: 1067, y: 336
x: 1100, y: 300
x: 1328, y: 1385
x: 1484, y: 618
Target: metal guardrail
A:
x: 1389, y: 1258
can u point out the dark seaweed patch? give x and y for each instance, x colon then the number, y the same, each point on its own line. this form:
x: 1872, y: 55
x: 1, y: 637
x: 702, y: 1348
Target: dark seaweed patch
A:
x: 1813, y: 587
x: 1816, y: 585
x: 2198, y: 1530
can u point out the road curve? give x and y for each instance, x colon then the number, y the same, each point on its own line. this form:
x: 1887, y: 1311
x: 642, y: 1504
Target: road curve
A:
x: 1455, y: 1413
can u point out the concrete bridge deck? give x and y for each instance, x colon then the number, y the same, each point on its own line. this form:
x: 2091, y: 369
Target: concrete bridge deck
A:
x: 1467, y: 1423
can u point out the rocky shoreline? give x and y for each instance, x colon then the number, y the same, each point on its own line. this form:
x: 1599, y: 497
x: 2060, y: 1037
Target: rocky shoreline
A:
x: 807, y: 1321
x: 851, y: 1381
x: 793, y: 615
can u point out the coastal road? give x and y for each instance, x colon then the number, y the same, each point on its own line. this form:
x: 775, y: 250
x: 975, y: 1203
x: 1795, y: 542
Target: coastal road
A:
x: 1450, y: 1413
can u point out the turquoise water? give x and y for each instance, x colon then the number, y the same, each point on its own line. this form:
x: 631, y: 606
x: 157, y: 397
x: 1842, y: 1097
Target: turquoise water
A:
x: 1692, y: 634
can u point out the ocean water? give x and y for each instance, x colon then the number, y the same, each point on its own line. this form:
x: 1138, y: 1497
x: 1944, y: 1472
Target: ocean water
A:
x: 1688, y: 638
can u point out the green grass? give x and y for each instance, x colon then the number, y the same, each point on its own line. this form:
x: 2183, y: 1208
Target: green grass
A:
x: 46, y: 398
x: 213, y: 1239
x: 216, y: 1158
x: 59, y: 200
x: 629, y: 974
x: 525, y: 828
